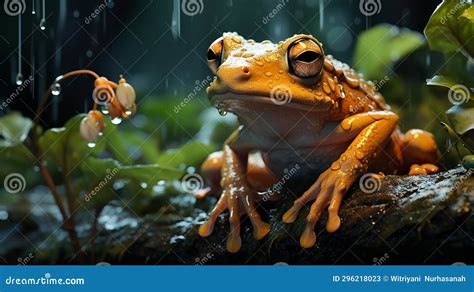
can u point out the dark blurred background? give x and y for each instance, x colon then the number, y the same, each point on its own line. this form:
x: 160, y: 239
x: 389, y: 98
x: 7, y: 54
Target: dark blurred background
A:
x: 160, y: 50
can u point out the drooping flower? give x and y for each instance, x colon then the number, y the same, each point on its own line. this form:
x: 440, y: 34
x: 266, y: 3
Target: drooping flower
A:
x: 92, y: 125
x: 125, y: 93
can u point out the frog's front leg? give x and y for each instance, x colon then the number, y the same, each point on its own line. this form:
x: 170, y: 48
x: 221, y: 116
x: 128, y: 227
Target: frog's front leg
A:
x: 371, y: 130
x: 238, y: 197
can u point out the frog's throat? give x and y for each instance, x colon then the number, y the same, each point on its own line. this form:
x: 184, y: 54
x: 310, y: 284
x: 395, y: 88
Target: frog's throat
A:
x: 226, y: 101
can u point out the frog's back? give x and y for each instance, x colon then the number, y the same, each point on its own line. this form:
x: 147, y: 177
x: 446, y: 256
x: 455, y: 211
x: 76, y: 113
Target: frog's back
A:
x: 353, y: 94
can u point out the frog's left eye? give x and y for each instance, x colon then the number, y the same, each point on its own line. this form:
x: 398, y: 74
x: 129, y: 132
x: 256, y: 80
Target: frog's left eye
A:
x: 214, y: 54
x: 305, y: 58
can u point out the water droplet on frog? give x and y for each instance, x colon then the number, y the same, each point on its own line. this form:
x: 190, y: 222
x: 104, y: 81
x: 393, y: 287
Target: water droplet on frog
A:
x: 222, y: 112
x: 116, y: 120
x: 91, y: 144
x: 335, y: 166
x: 19, y: 79
x: 105, y: 109
x: 128, y: 111
x: 56, y: 90
x: 43, y: 24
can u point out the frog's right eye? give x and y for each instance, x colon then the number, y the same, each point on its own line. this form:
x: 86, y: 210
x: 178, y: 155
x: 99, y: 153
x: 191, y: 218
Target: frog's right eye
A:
x: 214, y: 54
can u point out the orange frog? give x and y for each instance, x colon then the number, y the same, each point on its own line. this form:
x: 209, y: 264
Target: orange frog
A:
x: 299, y: 107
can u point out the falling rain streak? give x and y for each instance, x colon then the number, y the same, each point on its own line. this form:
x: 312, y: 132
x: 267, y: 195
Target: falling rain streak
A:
x: 19, y: 75
x: 176, y: 19
x: 321, y: 14
x: 43, y: 15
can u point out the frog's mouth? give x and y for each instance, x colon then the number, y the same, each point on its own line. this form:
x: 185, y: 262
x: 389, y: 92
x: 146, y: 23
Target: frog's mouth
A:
x: 236, y: 103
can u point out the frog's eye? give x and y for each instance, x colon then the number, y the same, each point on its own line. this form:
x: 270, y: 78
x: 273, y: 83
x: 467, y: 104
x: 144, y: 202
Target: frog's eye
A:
x: 305, y: 58
x: 214, y: 54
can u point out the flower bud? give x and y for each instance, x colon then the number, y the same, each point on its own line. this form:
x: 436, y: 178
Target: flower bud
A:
x: 91, y: 126
x: 125, y: 93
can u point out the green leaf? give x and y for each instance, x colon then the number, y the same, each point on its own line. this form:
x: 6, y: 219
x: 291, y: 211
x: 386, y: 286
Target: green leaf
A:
x: 100, y: 174
x: 190, y: 154
x: 65, y: 147
x: 14, y: 129
x: 440, y: 80
x: 461, y: 117
x: 378, y: 48
x: 468, y: 161
x: 451, y: 27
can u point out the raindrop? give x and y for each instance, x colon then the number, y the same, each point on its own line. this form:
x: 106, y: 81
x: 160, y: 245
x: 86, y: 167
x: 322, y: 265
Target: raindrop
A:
x: 321, y: 14
x: 116, y: 120
x: 144, y: 185
x: 56, y: 90
x: 43, y: 15
x: 222, y: 112
x: 19, y: 79
x: 76, y: 14
x: 128, y: 111
x: 89, y: 53
x: 91, y: 144
x: 19, y: 76
x: 33, y: 7
x: 43, y: 24
x: 105, y: 109
x: 428, y: 60
x: 101, y: 133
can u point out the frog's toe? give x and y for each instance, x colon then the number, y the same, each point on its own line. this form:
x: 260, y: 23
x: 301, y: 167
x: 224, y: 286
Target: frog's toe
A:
x: 207, y: 228
x: 292, y: 213
x: 426, y: 168
x: 308, y: 238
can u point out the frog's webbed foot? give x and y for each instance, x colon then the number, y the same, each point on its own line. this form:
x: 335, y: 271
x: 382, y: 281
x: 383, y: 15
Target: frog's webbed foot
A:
x: 328, y: 190
x: 239, y: 199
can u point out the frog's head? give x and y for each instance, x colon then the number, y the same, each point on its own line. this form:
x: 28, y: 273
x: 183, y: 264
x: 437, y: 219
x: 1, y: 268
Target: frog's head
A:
x: 287, y: 73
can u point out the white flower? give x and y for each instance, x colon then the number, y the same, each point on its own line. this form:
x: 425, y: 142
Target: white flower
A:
x: 125, y: 93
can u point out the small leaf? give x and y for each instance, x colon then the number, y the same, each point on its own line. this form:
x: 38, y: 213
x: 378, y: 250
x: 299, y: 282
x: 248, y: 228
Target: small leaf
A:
x: 14, y: 129
x: 468, y: 161
x: 461, y: 117
x: 190, y: 154
x: 440, y: 80
x: 378, y: 48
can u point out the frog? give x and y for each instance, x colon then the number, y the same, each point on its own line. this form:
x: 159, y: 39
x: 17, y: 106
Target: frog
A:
x: 299, y: 109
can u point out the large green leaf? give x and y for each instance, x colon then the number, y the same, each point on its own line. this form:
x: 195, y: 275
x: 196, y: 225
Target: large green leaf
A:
x: 440, y: 80
x: 461, y: 117
x: 378, y: 48
x: 100, y: 174
x: 14, y: 129
x: 451, y: 27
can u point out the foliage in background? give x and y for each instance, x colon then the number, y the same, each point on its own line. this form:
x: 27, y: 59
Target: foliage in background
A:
x: 450, y: 31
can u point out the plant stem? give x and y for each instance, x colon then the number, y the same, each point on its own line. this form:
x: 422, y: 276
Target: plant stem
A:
x: 95, y: 232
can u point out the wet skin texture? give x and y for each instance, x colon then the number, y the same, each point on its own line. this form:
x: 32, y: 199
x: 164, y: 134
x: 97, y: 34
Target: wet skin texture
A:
x: 304, y: 111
